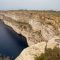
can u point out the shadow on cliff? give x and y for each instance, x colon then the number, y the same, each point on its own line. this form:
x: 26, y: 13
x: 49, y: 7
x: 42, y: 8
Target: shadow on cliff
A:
x: 20, y: 40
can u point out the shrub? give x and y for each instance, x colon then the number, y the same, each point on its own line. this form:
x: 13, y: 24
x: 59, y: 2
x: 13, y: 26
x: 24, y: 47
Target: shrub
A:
x: 50, y: 54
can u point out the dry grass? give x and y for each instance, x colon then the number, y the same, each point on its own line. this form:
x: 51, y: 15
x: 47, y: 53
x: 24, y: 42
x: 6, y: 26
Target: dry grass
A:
x: 50, y: 54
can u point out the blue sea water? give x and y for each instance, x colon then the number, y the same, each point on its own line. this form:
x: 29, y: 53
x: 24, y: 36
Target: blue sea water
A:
x: 11, y: 43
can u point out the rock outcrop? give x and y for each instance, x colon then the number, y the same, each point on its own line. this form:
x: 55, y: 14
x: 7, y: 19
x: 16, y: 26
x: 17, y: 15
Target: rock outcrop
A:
x: 36, y: 26
x: 54, y: 42
x: 41, y: 28
x: 31, y: 52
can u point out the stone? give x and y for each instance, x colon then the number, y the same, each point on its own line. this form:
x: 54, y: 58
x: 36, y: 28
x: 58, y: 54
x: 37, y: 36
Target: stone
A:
x: 54, y: 42
x: 36, y: 26
x: 31, y: 52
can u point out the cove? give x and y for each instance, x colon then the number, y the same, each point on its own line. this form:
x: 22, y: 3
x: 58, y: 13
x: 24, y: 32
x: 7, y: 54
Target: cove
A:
x: 11, y: 43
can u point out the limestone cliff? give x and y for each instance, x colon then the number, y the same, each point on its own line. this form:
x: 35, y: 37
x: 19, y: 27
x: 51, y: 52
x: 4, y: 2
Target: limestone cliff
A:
x: 41, y: 28
x: 35, y: 50
x: 36, y: 26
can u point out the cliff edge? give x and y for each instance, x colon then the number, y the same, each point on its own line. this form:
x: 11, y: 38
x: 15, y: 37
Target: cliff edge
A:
x: 36, y: 26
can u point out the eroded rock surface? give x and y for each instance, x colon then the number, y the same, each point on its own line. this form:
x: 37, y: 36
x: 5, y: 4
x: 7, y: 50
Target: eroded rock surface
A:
x: 31, y: 52
x: 36, y: 26
x: 54, y: 42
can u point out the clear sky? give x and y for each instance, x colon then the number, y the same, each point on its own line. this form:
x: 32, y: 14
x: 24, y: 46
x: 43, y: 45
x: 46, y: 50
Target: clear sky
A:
x: 30, y: 4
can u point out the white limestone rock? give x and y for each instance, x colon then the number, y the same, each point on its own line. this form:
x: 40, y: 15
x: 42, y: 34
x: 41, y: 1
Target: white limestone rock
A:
x: 31, y: 52
x: 54, y: 42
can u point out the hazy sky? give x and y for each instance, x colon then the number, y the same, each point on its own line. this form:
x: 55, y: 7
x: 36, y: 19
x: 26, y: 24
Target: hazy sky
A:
x: 30, y: 4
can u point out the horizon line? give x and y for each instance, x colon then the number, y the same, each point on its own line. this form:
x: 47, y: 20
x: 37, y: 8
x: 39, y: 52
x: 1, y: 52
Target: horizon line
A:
x: 30, y: 9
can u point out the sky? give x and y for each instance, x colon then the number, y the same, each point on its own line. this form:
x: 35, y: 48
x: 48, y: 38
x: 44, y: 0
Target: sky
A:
x: 30, y: 4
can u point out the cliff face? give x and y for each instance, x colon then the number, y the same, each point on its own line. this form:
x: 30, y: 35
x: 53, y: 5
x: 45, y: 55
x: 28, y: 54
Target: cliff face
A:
x: 41, y: 28
x: 36, y: 26
x: 37, y: 49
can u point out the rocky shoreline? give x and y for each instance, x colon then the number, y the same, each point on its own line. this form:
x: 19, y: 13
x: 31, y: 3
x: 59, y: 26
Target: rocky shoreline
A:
x: 38, y: 27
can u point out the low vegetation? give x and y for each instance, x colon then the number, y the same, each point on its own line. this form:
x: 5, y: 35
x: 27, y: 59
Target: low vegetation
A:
x: 50, y: 54
x: 6, y: 57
